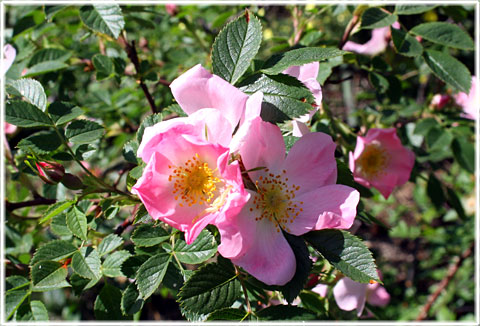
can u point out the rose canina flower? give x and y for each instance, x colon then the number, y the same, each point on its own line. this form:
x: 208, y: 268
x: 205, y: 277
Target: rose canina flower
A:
x: 189, y: 183
x: 307, y: 74
x: 377, y: 44
x: 470, y: 102
x: 295, y: 194
x: 9, y: 54
x: 381, y: 161
x: 351, y: 295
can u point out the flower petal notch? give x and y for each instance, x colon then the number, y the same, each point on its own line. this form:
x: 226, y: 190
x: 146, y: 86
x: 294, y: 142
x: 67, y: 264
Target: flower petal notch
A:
x: 381, y: 161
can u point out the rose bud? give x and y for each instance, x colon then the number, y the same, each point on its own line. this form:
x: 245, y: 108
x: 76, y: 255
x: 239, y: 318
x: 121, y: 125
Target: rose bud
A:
x: 50, y: 172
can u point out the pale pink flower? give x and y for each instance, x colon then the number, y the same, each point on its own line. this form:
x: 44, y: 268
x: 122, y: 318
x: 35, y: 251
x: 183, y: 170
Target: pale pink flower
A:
x: 188, y: 182
x: 321, y: 289
x: 470, y: 102
x: 307, y: 74
x: 351, y: 295
x: 198, y: 89
x: 9, y: 128
x: 171, y: 9
x: 439, y: 101
x: 377, y: 43
x: 381, y: 161
x: 9, y: 54
x: 296, y: 194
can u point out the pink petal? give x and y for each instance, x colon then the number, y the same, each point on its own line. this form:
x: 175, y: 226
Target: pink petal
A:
x: 260, y: 144
x: 321, y: 289
x: 198, y: 89
x: 350, y: 295
x: 9, y: 54
x: 213, y: 126
x: 311, y: 162
x: 299, y: 128
x: 8, y: 128
x: 269, y: 258
x: 253, y: 107
x: 470, y: 102
x: 377, y: 295
x: 329, y: 207
x: 377, y: 44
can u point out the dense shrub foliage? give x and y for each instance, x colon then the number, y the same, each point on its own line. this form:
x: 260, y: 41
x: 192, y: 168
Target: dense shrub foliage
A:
x: 239, y: 162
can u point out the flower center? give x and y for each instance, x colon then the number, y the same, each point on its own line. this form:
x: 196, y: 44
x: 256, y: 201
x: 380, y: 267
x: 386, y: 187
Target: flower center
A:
x: 194, y: 182
x: 275, y: 200
x: 373, y: 160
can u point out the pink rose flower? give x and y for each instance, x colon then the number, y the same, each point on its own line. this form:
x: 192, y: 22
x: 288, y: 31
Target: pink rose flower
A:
x: 351, y: 295
x: 377, y: 43
x: 171, y: 9
x: 439, y: 101
x: 9, y: 54
x: 198, y: 89
x: 9, y: 129
x: 381, y: 161
x: 470, y: 102
x: 307, y: 74
x: 188, y: 182
x: 296, y: 194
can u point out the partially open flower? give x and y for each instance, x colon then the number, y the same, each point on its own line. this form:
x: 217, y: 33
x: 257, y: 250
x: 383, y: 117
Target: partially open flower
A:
x: 439, y: 101
x: 381, y: 161
x: 50, y: 172
x: 351, y: 295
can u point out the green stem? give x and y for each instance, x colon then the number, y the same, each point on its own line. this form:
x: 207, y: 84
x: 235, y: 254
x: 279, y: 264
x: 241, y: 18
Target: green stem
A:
x: 240, y: 278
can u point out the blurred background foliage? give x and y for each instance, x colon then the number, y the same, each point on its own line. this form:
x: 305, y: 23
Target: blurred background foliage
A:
x: 415, y: 235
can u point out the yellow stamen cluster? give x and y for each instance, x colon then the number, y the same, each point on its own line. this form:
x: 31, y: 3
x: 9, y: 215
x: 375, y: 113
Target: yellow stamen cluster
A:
x: 373, y: 161
x: 275, y: 199
x: 194, y: 182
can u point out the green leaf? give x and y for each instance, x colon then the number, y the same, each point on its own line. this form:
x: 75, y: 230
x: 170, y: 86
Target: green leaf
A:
x: 49, y: 275
x: 44, y: 67
x: 445, y: 34
x: 132, y: 264
x: 59, y: 226
x: 42, y: 142
x: 448, y: 69
x: 130, y: 151
x: 77, y: 223
x: 284, y: 96
x: 378, y: 81
x: 112, y: 266
x: 282, y: 312
x: 211, y: 287
x: 291, y: 290
x: 80, y: 284
x: 107, y: 304
x: 346, y: 252
x: 55, y: 209
x: 132, y: 301
x: 63, y: 112
x: 50, y: 54
x: 83, y: 131
x: 375, y: 18
x: 405, y: 44
x: 203, y: 248
x: 297, y: 57
x: 236, y: 46
x: 464, y: 153
x: 31, y: 90
x: 103, y: 65
x: 54, y: 250
x: 86, y: 263
x: 107, y: 19
x: 227, y: 314
x: 23, y: 114
x: 13, y: 300
x: 109, y: 243
x: 39, y: 312
x: 151, y: 273
x: 412, y: 9
x: 147, y: 235
x: 435, y: 191
x: 15, y: 282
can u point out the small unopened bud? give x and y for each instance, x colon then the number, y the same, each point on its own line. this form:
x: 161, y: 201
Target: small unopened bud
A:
x: 171, y: 9
x: 72, y: 182
x: 439, y: 101
x: 50, y: 172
